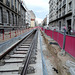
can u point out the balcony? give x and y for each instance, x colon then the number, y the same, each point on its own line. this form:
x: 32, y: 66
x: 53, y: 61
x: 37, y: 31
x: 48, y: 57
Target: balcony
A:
x: 12, y: 7
x: 8, y: 3
x: 1, y: 0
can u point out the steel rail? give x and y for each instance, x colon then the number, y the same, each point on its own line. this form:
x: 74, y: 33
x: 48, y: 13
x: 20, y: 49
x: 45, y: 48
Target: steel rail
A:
x: 30, y: 39
x: 29, y: 54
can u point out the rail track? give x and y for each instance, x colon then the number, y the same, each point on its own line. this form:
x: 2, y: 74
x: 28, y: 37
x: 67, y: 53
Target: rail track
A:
x: 16, y: 61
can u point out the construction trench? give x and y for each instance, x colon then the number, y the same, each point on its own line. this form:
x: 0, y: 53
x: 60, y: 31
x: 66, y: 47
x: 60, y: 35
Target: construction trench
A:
x: 55, y: 61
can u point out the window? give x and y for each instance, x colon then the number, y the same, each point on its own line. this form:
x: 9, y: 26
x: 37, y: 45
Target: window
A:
x: 19, y: 6
x: 0, y: 15
x: 1, y: 0
x: 8, y: 3
x: 16, y: 19
x: 12, y: 18
x: 7, y: 17
x: 15, y: 3
x: 70, y: 6
x: 11, y: 2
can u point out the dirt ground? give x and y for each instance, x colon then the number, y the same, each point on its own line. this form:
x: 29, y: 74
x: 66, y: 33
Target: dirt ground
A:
x: 55, y: 63
x: 48, y: 59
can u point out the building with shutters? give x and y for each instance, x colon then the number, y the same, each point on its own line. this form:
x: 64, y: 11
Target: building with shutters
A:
x: 64, y: 14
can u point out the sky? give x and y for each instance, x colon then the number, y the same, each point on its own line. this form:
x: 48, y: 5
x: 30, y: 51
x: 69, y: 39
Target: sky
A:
x: 39, y: 7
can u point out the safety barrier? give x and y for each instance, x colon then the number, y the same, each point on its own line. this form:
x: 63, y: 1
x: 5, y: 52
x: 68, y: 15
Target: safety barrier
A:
x: 59, y: 38
x: 55, y: 35
x: 70, y: 45
x: 4, y: 35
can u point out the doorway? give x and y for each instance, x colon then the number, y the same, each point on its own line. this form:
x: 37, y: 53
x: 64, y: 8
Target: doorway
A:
x: 60, y: 25
x: 68, y: 23
x: 74, y: 26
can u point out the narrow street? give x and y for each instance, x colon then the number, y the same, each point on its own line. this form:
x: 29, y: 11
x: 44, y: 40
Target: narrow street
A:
x: 37, y: 37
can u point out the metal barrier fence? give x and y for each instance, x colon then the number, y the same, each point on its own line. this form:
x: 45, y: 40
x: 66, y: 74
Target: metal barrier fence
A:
x: 70, y: 45
x: 66, y: 42
x: 60, y: 39
x: 2, y: 34
x: 5, y: 34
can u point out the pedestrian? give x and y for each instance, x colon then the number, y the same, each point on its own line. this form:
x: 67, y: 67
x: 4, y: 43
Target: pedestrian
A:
x: 64, y: 29
x: 69, y: 29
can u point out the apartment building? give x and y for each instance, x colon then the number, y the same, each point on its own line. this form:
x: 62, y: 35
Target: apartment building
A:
x: 12, y: 14
x: 47, y: 19
x: 52, y: 11
x: 32, y: 18
x: 36, y: 23
x: 65, y: 14
x: 28, y: 19
x: 26, y: 16
x: 44, y: 22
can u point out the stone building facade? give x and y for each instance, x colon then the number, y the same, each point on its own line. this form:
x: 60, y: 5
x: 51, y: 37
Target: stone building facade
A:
x: 12, y: 14
x: 28, y: 19
x: 32, y: 18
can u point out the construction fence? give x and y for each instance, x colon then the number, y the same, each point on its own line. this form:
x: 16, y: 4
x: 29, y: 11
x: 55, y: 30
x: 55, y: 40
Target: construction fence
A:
x: 68, y: 45
x: 8, y: 34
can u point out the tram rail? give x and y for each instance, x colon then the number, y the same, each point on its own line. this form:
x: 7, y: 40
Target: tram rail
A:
x: 16, y: 60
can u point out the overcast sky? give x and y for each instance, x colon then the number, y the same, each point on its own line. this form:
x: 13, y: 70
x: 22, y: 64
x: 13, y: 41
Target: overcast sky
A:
x: 39, y: 7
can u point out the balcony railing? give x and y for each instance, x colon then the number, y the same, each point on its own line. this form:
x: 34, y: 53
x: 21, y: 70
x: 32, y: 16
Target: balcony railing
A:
x: 8, y: 3
x: 1, y: 0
